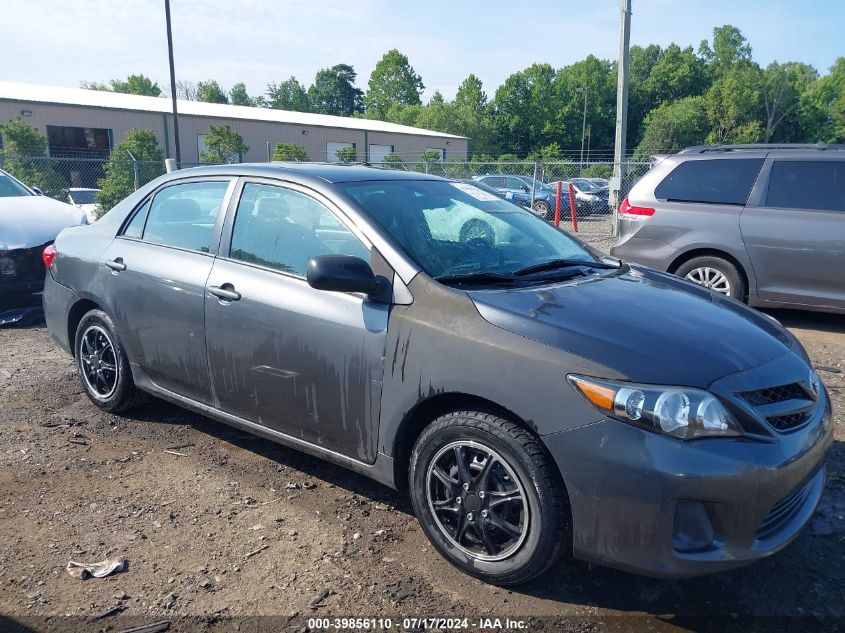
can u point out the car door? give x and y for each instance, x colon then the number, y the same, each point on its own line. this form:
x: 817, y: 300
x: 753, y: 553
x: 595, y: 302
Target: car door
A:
x: 795, y: 234
x: 153, y: 275
x: 303, y: 362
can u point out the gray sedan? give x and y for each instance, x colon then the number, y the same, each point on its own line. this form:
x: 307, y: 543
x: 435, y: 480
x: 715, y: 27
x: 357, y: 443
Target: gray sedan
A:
x: 496, y: 374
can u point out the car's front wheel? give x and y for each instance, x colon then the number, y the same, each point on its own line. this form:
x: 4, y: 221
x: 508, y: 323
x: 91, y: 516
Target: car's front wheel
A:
x: 714, y: 273
x: 103, y: 365
x: 543, y: 209
x: 489, y: 497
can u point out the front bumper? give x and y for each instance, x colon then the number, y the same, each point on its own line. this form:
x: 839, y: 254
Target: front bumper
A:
x: 639, y: 499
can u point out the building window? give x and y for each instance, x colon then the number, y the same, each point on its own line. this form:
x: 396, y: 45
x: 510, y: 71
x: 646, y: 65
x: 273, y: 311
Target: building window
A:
x: 78, y: 142
x: 439, y: 150
x: 377, y: 153
x: 333, y: 148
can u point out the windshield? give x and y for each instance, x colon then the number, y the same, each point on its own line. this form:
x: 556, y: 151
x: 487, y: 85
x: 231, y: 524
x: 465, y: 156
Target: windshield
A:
x: 82, y: 197
x: 454, y: 228
x: 537, y: 184
x: 585, y: 185
x: 11, y: 188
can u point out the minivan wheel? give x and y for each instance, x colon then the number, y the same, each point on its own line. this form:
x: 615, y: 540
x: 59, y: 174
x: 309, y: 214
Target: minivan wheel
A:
x: 543, y: 209
x: 715, y: 273
x: 488, y: 497
x: 102, y: 364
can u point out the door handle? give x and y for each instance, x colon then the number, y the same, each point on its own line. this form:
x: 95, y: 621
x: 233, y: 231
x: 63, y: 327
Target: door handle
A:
x: 116, y: 264
x: 226, y: 292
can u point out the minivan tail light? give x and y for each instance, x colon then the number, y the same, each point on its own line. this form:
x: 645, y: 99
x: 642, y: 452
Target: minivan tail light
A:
x: 48, y: 254
x: 626, y: 208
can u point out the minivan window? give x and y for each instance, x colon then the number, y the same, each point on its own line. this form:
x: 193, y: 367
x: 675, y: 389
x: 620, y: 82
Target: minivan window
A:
x: 184, y: 215
x: 283, y: 229
x: 715, y: 181
x: 807, y: 184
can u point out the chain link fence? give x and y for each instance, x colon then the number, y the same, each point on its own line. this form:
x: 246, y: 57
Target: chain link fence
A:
x: 532, y: 184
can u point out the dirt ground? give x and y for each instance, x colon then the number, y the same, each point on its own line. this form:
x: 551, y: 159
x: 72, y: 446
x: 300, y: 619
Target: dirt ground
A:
x: 218, y: 526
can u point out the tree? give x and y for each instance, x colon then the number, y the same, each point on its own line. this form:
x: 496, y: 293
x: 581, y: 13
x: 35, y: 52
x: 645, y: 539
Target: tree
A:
x: 288, y: 95
x: 673, y: 126
x: 119, y: 179
x: 290, y: 152
x: 211, y: 92
x: 729, y: 48
x: 134, y: 84
x: 598, y: 78
x: 222, y: 145
x: 676, y: 74
x: 393, y: 81
x: 472, y: 115
x: 346, y: 155
x: 239, y: 96
x: 186, y: 90
x: 734, y: 105
x: 524, y: 108
x: 783, y: 86
x: 334, y: 92
x: 393, y: 160
x: 24, y: 156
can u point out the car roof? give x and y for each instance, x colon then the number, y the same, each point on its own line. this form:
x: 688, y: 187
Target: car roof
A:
x: 324, y: 172
x: 82, y: 189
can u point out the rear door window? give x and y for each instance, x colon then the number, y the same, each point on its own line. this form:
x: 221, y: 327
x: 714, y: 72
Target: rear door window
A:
x: 716, y: 181
x: 817, y: 185
x: 184, y: 215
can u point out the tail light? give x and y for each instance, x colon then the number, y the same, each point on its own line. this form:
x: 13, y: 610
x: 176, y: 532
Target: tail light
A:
x: 626, y: 208
x: 48, y: 254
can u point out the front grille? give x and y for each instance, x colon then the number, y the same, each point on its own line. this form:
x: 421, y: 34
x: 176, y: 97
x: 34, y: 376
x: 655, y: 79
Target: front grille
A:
x: 796, y: 401
x: 774, y: 394
x: 782, y: 512
x: 786, y: 422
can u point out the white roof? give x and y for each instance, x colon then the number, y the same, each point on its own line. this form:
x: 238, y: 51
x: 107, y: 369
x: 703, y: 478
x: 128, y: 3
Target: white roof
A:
x: 32, y: 93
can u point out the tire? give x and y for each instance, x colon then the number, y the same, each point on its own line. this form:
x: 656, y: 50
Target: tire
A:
x: 543, y: 209
x: 715, y: 273
x: 105, y: 375
x: 523, y: 494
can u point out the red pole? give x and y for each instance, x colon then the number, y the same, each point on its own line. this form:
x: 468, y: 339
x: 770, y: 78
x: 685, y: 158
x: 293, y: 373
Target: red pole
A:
x: 572, y: 207
x: 557, y: 205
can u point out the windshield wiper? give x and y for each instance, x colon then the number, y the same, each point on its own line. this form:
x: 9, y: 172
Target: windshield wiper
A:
x: 476, y: 278
x: 563, y: 263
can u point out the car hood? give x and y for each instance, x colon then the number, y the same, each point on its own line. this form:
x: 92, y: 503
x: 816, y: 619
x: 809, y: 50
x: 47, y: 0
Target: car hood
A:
x: 27, y: 221
x: 650, y: 326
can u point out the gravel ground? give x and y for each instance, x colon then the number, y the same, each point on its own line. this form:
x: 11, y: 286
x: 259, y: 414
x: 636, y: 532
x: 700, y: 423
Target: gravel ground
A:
x: 226, y: 526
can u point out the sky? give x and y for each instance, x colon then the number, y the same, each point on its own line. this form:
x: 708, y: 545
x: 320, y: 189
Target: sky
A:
x: 56, y: 42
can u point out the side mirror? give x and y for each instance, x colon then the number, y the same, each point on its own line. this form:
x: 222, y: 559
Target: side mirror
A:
x: 37, y: 190
x: 346, y: 273
x: 526, y: 188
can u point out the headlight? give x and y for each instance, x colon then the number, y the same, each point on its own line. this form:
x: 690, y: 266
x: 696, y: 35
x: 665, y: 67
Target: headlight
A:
x: 677, y: 411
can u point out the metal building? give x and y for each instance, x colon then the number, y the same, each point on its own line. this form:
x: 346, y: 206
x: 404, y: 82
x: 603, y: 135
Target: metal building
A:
x: 80, y: 123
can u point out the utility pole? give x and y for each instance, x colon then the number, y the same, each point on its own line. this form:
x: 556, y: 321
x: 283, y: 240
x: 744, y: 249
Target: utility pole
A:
x: 621, y: 109
x: 172, y: 84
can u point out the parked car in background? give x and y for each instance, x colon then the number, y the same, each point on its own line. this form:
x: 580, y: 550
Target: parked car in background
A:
x: 518, y: 188
x: 28, y: 223
x: 589, y: 198
x: 521, y: 199
x: 760, y: 223
x: 83, y: 198
x: 534, y: 398
x: 601, y: 183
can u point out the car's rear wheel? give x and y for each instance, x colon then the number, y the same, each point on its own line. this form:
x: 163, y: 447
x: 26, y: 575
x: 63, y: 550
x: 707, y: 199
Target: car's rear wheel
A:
x: 489, y: 497
x: 714, y: 273
x: 102, y: 364
x: 543, y: 209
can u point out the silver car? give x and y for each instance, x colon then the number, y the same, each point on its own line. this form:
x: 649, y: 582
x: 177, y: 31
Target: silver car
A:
x: 763, y: 224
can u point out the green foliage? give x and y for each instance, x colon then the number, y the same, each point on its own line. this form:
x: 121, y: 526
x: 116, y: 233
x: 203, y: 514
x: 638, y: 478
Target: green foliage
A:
x: 392, y: 82
x: 334, y: 92
x: 223, y: 145
x: 290, y: 152
x: 288, y: 95
x: 673, y: 126
x: 23, y: 156
x: 211, y: 92
x: 347, y: 155
x: 393, y: 160
x: 134, y: 84
x: 238, y: 95
x: 119, y: 180
x: 734, y: 105
x: 598, y: 170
